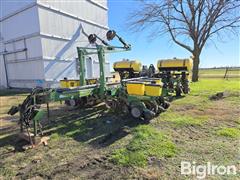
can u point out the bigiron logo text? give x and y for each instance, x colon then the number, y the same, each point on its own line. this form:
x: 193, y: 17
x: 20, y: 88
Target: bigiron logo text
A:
x: 208, y: 169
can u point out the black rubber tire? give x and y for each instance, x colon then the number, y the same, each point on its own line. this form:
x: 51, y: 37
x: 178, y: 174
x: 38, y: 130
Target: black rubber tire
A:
x: 161, y: 109
x: 136, y: 112
x: 178, y: 91
x: 186, y: 88
x: 166, y: 105
x: 152, y: 106
x: 148, y: 115
x: 71, y: 102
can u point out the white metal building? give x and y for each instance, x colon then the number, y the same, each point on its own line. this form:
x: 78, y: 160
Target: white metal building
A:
x: 38, y: 40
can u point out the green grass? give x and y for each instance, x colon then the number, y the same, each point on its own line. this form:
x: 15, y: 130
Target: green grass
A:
x: 210, y: 86
x: 55, y: 136
x: 218, y: 71
x: 146, y: 142
x: 198, y: 99
x: 194, y: 102
x: 183, y: 120
x: 229, y: 132
x: 207, y: 87
x: 6, y: 172
x: 204, y: 88
x: 192, y: 129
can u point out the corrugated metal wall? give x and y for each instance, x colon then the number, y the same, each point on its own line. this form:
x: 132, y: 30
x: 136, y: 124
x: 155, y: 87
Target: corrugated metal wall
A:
x: 62, y: 24
x: 50, y: 31
x: 3, y: 81
x: 21, y: 44
x: 9, y: 7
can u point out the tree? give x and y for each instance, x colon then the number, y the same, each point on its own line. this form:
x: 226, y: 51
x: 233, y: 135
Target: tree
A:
x: 190, y: 23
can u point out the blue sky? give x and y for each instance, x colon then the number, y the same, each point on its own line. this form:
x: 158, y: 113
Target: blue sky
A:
x: 223, y: 53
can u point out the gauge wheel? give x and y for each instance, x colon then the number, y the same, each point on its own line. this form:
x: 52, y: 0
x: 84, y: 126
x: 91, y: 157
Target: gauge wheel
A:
x: 136, y: 111
x: 72, y: 102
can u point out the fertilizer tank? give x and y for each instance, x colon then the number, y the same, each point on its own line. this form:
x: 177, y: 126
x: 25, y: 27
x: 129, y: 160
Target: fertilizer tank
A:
x: 127, y: 65
x: 175, y: 64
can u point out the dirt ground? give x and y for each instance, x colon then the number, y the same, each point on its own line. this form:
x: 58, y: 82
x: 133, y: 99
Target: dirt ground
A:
x: 82, y: 141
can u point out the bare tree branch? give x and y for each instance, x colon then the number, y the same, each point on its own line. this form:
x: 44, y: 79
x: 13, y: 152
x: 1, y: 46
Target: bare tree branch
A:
x: 195, y: 20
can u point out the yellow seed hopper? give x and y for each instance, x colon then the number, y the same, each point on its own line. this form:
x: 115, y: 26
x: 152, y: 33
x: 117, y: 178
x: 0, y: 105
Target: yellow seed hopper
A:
x: 175, y: 64
x: 127, y: 65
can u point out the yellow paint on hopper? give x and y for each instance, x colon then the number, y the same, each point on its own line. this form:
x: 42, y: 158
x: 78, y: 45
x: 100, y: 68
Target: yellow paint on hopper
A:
x: 136, y: 88
x: 158, y: 81
x: 63, y: 84
x: 172, y: 63
x: 69, y: 83
x: 131, y: 65
x: 153, y: 89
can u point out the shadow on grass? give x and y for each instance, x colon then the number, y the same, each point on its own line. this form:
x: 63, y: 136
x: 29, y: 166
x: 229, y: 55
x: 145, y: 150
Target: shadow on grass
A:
x: 173, y: 98
x: 13, y: 92
x: 95, y: 126
x: 11, y: 140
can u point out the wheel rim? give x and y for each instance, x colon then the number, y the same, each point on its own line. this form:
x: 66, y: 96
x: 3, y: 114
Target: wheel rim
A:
x: 136, y: 112
x: 72, y: 102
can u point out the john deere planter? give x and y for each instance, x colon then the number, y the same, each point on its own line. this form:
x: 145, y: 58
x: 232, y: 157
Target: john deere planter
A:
x: 173, y: 73
x: 142, y: 97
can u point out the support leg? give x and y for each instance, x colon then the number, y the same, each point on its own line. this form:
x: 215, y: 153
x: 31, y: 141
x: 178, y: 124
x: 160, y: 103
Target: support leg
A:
x: 48, y: 112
